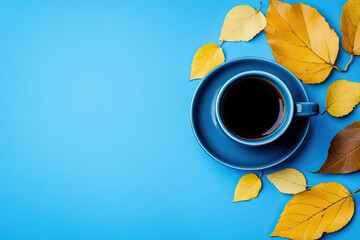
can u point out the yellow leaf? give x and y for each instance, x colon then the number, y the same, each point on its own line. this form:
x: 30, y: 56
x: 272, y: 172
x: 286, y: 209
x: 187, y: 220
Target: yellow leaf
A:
x: 205, y: 59
x: 341, y: 97
x: 242, y: 23
x: 248, y: 187
x: 288, y: 180
x: 301, y: 40
x: 327, y: 207
x: 349, y: 27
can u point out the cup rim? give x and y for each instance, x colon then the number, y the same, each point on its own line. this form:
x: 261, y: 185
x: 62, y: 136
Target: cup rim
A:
x: 273, y: 136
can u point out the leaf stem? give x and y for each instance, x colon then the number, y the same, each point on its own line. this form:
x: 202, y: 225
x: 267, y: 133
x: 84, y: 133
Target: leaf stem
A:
x: 356, y: 191
x: 221, y: 43
x: 258, y: 8
x: 347, y: 65
x: 262, y: 172
x: 324, y: 111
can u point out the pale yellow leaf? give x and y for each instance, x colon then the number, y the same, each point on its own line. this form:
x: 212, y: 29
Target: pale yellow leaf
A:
x: 288, y: 180
x: 242, y: 23
x: 350, y: 19
x: 327, y: 207
x: 205, y: 59
x: 301, y: 40
x: 248, y: 187
x: 341, y: 97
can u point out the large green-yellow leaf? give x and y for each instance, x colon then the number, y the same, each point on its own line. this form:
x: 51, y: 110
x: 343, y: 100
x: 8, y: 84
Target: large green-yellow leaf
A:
x: 325, y: 208
x: 350, y: 20
x: 301, y: 40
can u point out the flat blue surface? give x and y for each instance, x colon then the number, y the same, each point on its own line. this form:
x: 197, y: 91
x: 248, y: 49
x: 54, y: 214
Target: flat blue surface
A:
x: 95, y: 133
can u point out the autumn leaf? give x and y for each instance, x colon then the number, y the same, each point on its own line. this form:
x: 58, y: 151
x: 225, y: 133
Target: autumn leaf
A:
x: 341, y: 98
x: 301, y: 40
x: 349, y: 27
x: 248, y: 187
x: 205, y: 59
x: 344, y: 151
x: 327, y: 207
x: 288, y: 180
x: 242, y: 23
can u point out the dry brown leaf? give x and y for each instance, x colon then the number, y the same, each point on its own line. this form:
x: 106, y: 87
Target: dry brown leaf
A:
x: 325, y: 208
x: 301, y: 40
x: 344, y: 151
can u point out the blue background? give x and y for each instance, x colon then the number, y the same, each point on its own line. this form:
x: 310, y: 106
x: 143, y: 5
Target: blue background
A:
x: 95, y: 135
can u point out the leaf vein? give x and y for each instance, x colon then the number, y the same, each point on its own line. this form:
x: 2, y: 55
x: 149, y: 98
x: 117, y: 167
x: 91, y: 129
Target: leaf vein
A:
x: 345, y: 155
x: 323, y: 209
x: 302, y: 40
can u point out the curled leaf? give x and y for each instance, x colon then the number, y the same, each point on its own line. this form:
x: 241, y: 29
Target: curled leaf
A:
x: 341, y: 97
x: 242, y: 23
x: 349, y: 26
x: 247, y: 188
x: 327, y: 207
x: 205, y: 59
x: 344, y: 151
x: 288, y: 180
x: 301, y: 40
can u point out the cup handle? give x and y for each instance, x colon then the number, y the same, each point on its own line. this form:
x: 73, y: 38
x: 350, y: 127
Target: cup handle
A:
x: 306, y: 109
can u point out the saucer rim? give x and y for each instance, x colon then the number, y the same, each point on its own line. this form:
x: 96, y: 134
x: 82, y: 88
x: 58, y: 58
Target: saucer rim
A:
x: 306, y: 130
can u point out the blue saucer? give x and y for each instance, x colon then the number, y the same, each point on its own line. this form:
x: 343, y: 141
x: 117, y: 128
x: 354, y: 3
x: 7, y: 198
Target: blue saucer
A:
x: 227, y: 151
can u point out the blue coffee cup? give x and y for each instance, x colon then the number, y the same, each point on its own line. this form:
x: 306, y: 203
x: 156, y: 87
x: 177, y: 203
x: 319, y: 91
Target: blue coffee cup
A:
x: 291, y: 109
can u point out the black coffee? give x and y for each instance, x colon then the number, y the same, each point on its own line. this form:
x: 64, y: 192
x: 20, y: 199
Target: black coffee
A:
x: 252, y: 108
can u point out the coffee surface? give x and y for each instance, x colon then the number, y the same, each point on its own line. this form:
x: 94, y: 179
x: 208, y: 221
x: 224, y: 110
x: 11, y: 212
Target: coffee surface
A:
x: 252, y: 108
